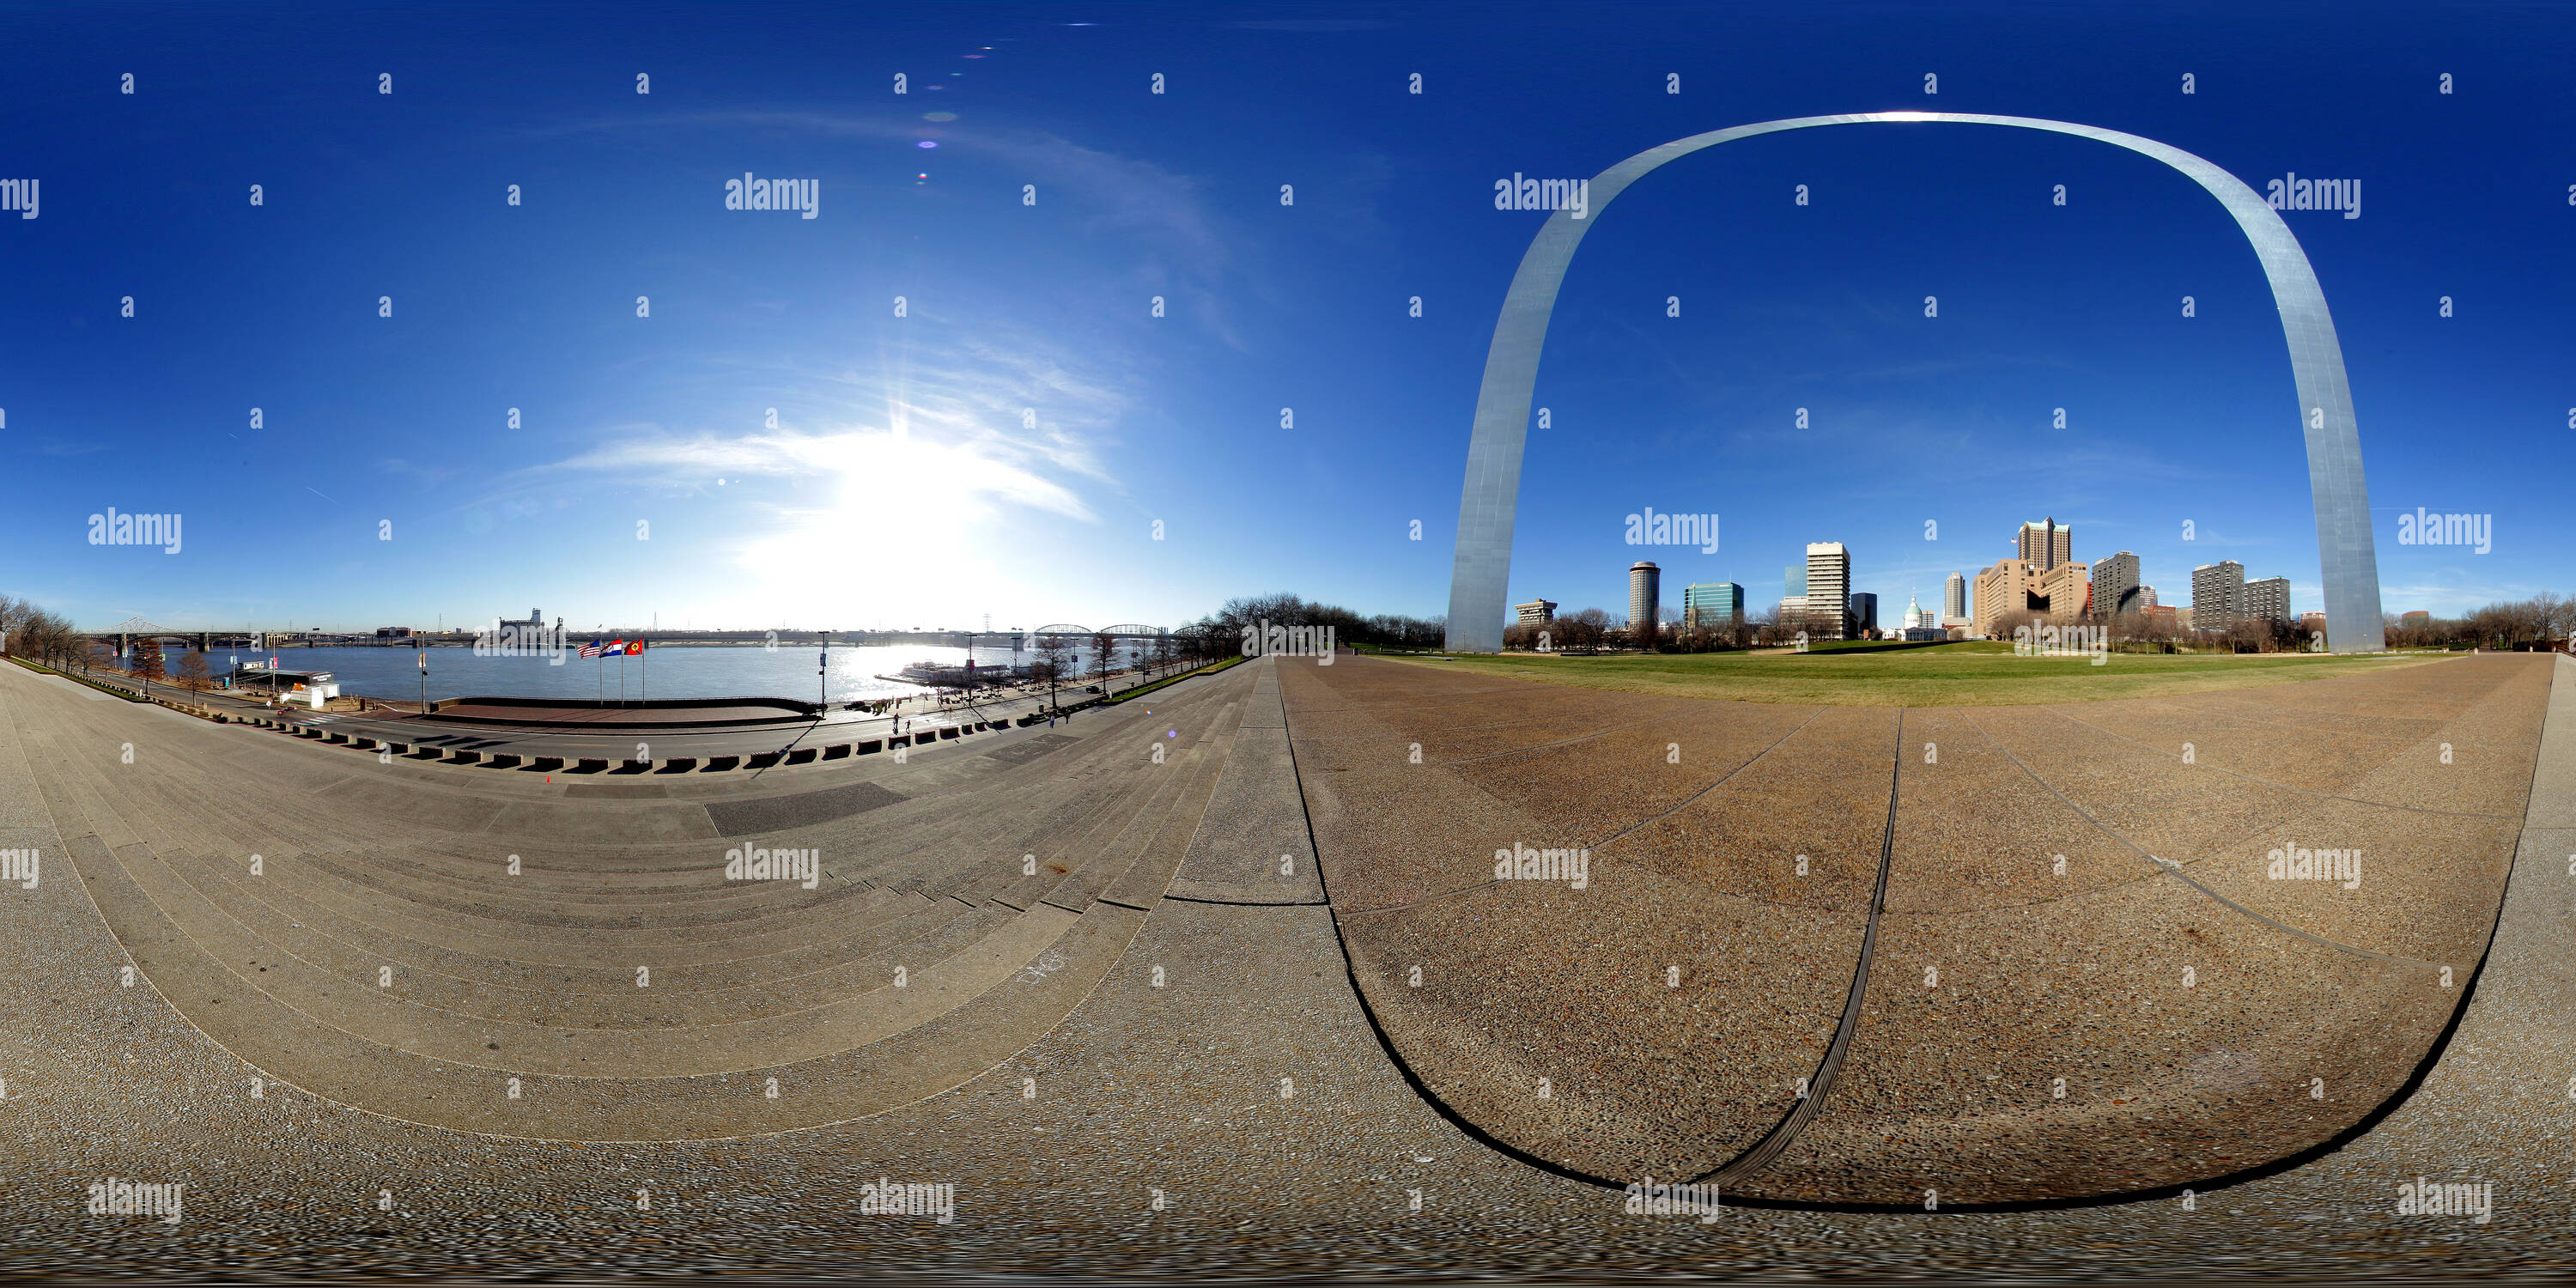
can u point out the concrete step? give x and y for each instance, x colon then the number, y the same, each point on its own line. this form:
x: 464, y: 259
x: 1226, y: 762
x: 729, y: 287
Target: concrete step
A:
x: 388, y: 1016
x: 896, y: 1069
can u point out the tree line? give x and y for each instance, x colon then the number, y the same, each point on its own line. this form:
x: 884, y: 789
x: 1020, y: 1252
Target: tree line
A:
x: 1221, y: 633
x: 34, y: 633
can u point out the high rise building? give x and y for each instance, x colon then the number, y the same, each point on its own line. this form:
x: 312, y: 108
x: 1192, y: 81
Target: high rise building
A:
x: 1828, y: 591
x: 2115, y: 586
x: 1537, y: 612
x: 2004, y: 588
x: 2267, y: 600
x: 2217, y: 595
x: 2146, y: 598
x: 2045, y: 544
x: 1645, y: 601
x: 1954, y: 599
x: 2023, y: 586
x: 1717, y: 605
x: 2066, y: 591
x: 1864, y: 611
x: 1794, y: 580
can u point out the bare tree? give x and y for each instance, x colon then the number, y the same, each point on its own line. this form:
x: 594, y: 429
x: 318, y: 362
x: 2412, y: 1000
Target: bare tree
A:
x: 1055, y: 655
x: 1104, y: 658
x: 146, y: 659
x: 193, y: 674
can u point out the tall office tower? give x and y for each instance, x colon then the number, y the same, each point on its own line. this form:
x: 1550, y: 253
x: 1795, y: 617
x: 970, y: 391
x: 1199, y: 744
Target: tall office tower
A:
x: 1828, y: 591
x: 2115, y: 586
x: 1954, y: 599
x: 1645, y: 601
x: 1793, y: 581
x: 1718, y: 605
x: 1864, y: 611
x: 2065, y: 592
x: 2044, y: 544
x: 2267, y: 600
x: 2217, y: 595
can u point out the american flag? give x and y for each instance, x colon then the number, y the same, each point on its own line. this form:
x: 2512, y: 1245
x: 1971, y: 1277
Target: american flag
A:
x: 590, y: 649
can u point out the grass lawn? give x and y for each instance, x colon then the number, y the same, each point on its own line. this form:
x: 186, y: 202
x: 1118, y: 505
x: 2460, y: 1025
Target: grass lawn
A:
x: 1143, y: 689
x: 1977, y: 673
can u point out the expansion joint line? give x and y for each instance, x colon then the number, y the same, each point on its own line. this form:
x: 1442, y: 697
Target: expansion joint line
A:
x: 2173, y: 867
x: 1600, y: 844
x: 1770, y: 1147
x: 2285, y: 787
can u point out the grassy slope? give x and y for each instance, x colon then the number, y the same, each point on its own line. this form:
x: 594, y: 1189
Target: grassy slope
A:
x: 1963, y: 675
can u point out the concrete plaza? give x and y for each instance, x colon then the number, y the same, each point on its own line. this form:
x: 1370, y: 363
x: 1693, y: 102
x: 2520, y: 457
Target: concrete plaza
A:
x: 1126, y: 1027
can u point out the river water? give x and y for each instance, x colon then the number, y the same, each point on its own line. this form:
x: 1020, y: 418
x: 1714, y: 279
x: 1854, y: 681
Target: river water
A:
x: 675, y: 671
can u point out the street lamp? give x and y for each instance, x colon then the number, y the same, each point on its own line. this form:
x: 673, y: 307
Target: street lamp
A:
x: 424, y: 681
x: 822, y: 673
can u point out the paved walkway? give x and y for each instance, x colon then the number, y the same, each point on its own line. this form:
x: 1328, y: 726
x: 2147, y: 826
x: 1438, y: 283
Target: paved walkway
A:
x: 1195, y: 1085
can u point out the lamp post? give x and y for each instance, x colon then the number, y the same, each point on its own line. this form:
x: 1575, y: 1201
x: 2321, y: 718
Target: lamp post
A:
x: 822, y: 676
x: 424, y: 681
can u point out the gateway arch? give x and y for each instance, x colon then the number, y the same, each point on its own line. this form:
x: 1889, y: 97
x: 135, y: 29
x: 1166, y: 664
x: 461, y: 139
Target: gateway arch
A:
x: 1487, y: 504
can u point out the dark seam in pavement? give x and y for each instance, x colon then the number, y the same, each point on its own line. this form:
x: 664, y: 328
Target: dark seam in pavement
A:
x: 2304, y: 791
x: 1730, y: 774
x: 1768, y: 1149
x: 2340, y: 1141
x: 1561, y: 742
x: 1351, y: 976
x: 2251, y: 718
x: 1247, y: 903
x: 2173, y: 867
x: 1115, y: 903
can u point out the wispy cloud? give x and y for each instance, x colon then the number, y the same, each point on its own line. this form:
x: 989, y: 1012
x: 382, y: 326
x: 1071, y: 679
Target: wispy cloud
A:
x: 1164, y: 212
x: 976, y: 473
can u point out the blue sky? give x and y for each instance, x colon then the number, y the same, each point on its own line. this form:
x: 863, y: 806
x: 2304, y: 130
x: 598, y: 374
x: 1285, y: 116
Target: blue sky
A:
x: 1009, y: 446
